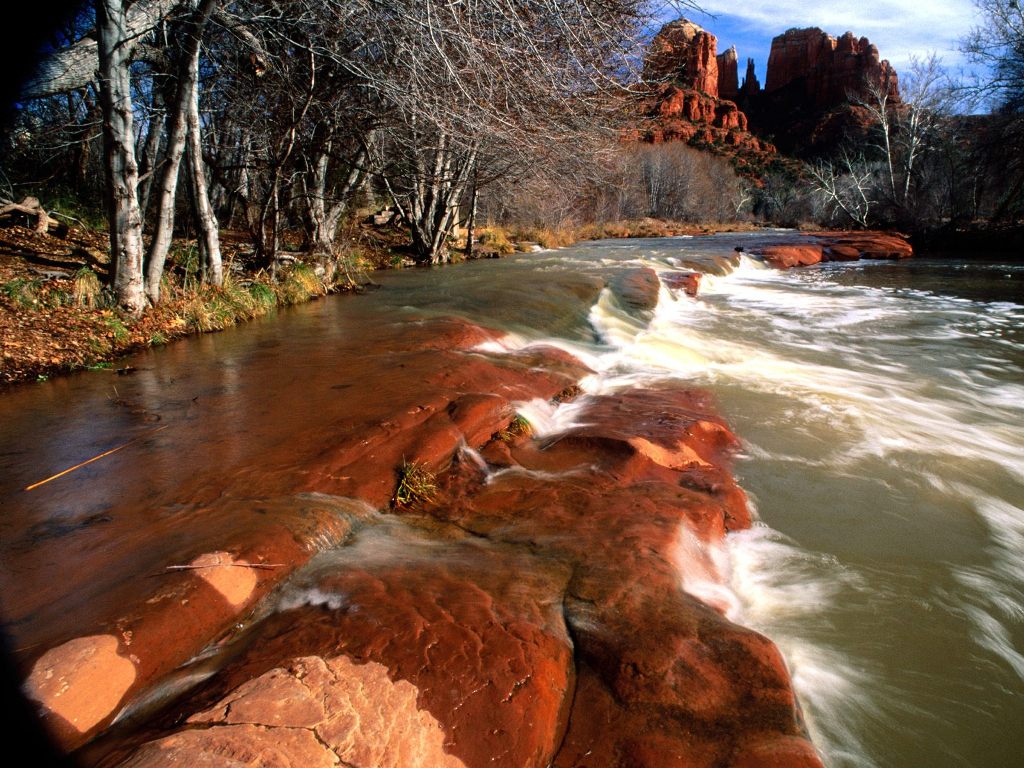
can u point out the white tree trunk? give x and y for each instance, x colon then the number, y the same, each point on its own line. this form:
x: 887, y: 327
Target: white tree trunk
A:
x: 75, y: 66
x: 188, y: 75
x: 122, y: 171
x: 208, y: 227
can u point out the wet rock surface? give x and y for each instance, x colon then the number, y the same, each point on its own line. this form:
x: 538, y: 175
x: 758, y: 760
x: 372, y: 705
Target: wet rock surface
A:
x: 543, y: 599
x: 834, y: 246
x: 553, y: 604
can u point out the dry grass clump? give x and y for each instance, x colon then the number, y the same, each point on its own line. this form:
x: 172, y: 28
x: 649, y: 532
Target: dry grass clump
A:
x: 86, y: 290
x: 415, y: 484
x: 497, y: 239
x: 518, y: 427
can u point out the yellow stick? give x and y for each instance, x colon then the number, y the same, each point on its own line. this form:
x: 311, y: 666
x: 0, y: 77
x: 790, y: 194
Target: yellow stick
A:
x: 95, y: 458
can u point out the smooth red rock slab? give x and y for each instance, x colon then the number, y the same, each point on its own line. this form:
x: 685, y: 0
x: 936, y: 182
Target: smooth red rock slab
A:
x: 841, y: 253
x: 796, y: 255
x: 559, y: 621
x: 454, y: 637
x: 814, y: 247
x: 237, y: 746
x: 81, y: 684
x: 311, y: 711
x: 459, y: 397
x: 868, y: 244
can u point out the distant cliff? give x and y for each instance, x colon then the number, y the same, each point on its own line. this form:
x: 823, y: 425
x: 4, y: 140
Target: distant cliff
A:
x: 813, y: 83
x: 686, y: 100
x: 807, y: 106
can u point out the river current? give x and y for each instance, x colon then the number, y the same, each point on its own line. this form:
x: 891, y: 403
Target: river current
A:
x: 881, y: 409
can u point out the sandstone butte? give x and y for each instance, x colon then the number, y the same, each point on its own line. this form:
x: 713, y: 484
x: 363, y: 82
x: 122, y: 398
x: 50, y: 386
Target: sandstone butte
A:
x: 552, y: 601
x: 684, y: 103
x: 807, y: 104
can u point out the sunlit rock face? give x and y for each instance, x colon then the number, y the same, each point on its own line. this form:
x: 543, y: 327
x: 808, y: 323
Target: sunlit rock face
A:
x: 685, y: 54
x: 813, y: 84
x: 692, y: 97
x: 828, y: 70
x: 809, y: 102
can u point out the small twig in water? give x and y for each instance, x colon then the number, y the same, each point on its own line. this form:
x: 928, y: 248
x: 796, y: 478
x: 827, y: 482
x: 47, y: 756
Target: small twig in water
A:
x: 221, y: 565
x: 95, y: 458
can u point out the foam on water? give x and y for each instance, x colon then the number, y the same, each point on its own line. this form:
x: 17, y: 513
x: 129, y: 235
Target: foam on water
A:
x: 904, y: 389
x: 883, y: 426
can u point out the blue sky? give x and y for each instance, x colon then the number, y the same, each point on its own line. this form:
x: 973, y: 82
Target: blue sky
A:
x: 900, y: 28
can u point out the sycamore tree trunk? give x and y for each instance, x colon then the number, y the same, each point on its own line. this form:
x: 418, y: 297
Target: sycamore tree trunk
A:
x: 120, y: 165
x: 471, y: 220
x: 177, y: 128
x: 209, y: 236
x: 325, y: 218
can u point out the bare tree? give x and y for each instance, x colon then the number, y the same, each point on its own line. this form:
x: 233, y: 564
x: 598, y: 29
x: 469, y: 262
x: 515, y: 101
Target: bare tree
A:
x: 122, y: 172
x: 997, y: 44
x: 180, y: 115
x: 845, y: 186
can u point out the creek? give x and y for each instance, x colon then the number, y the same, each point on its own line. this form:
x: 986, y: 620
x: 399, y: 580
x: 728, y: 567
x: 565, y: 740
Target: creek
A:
x: 880, y: 407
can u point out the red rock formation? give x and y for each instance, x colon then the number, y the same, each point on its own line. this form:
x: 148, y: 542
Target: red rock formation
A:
x: 690, y: 97
x: 687, y: 282
x: 812, y: 80
x: 827, y: 70
x: 685, y: 54
x: 548, y: 615
x: 834, y: 246
x: 728, y: 75
x: 751, y: 85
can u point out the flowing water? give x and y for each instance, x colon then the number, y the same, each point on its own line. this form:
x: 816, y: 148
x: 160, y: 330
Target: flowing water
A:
x: 881, y: 407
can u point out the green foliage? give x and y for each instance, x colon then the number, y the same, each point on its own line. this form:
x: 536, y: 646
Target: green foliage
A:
x: 117, y: 328
x: 263, y: 295
x: 87, y: 212
x: 301, y: 284
x: 415, y: 484
x: 22, y: 292
x: 349, y: 269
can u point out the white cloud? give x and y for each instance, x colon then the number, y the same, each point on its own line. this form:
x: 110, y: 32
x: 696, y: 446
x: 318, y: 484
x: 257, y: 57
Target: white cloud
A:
x: 900, y: 28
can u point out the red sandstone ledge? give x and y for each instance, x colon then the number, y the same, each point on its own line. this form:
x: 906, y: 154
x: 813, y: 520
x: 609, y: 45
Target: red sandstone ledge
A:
x: 808, y: 248
x: 539, y: 611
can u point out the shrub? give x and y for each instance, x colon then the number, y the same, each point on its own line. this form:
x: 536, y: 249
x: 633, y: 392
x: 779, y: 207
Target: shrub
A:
x: 24, y: 293
x: 496, y: 238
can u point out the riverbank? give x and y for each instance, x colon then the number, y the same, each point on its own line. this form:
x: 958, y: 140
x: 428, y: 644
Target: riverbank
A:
x: 56, y: 318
